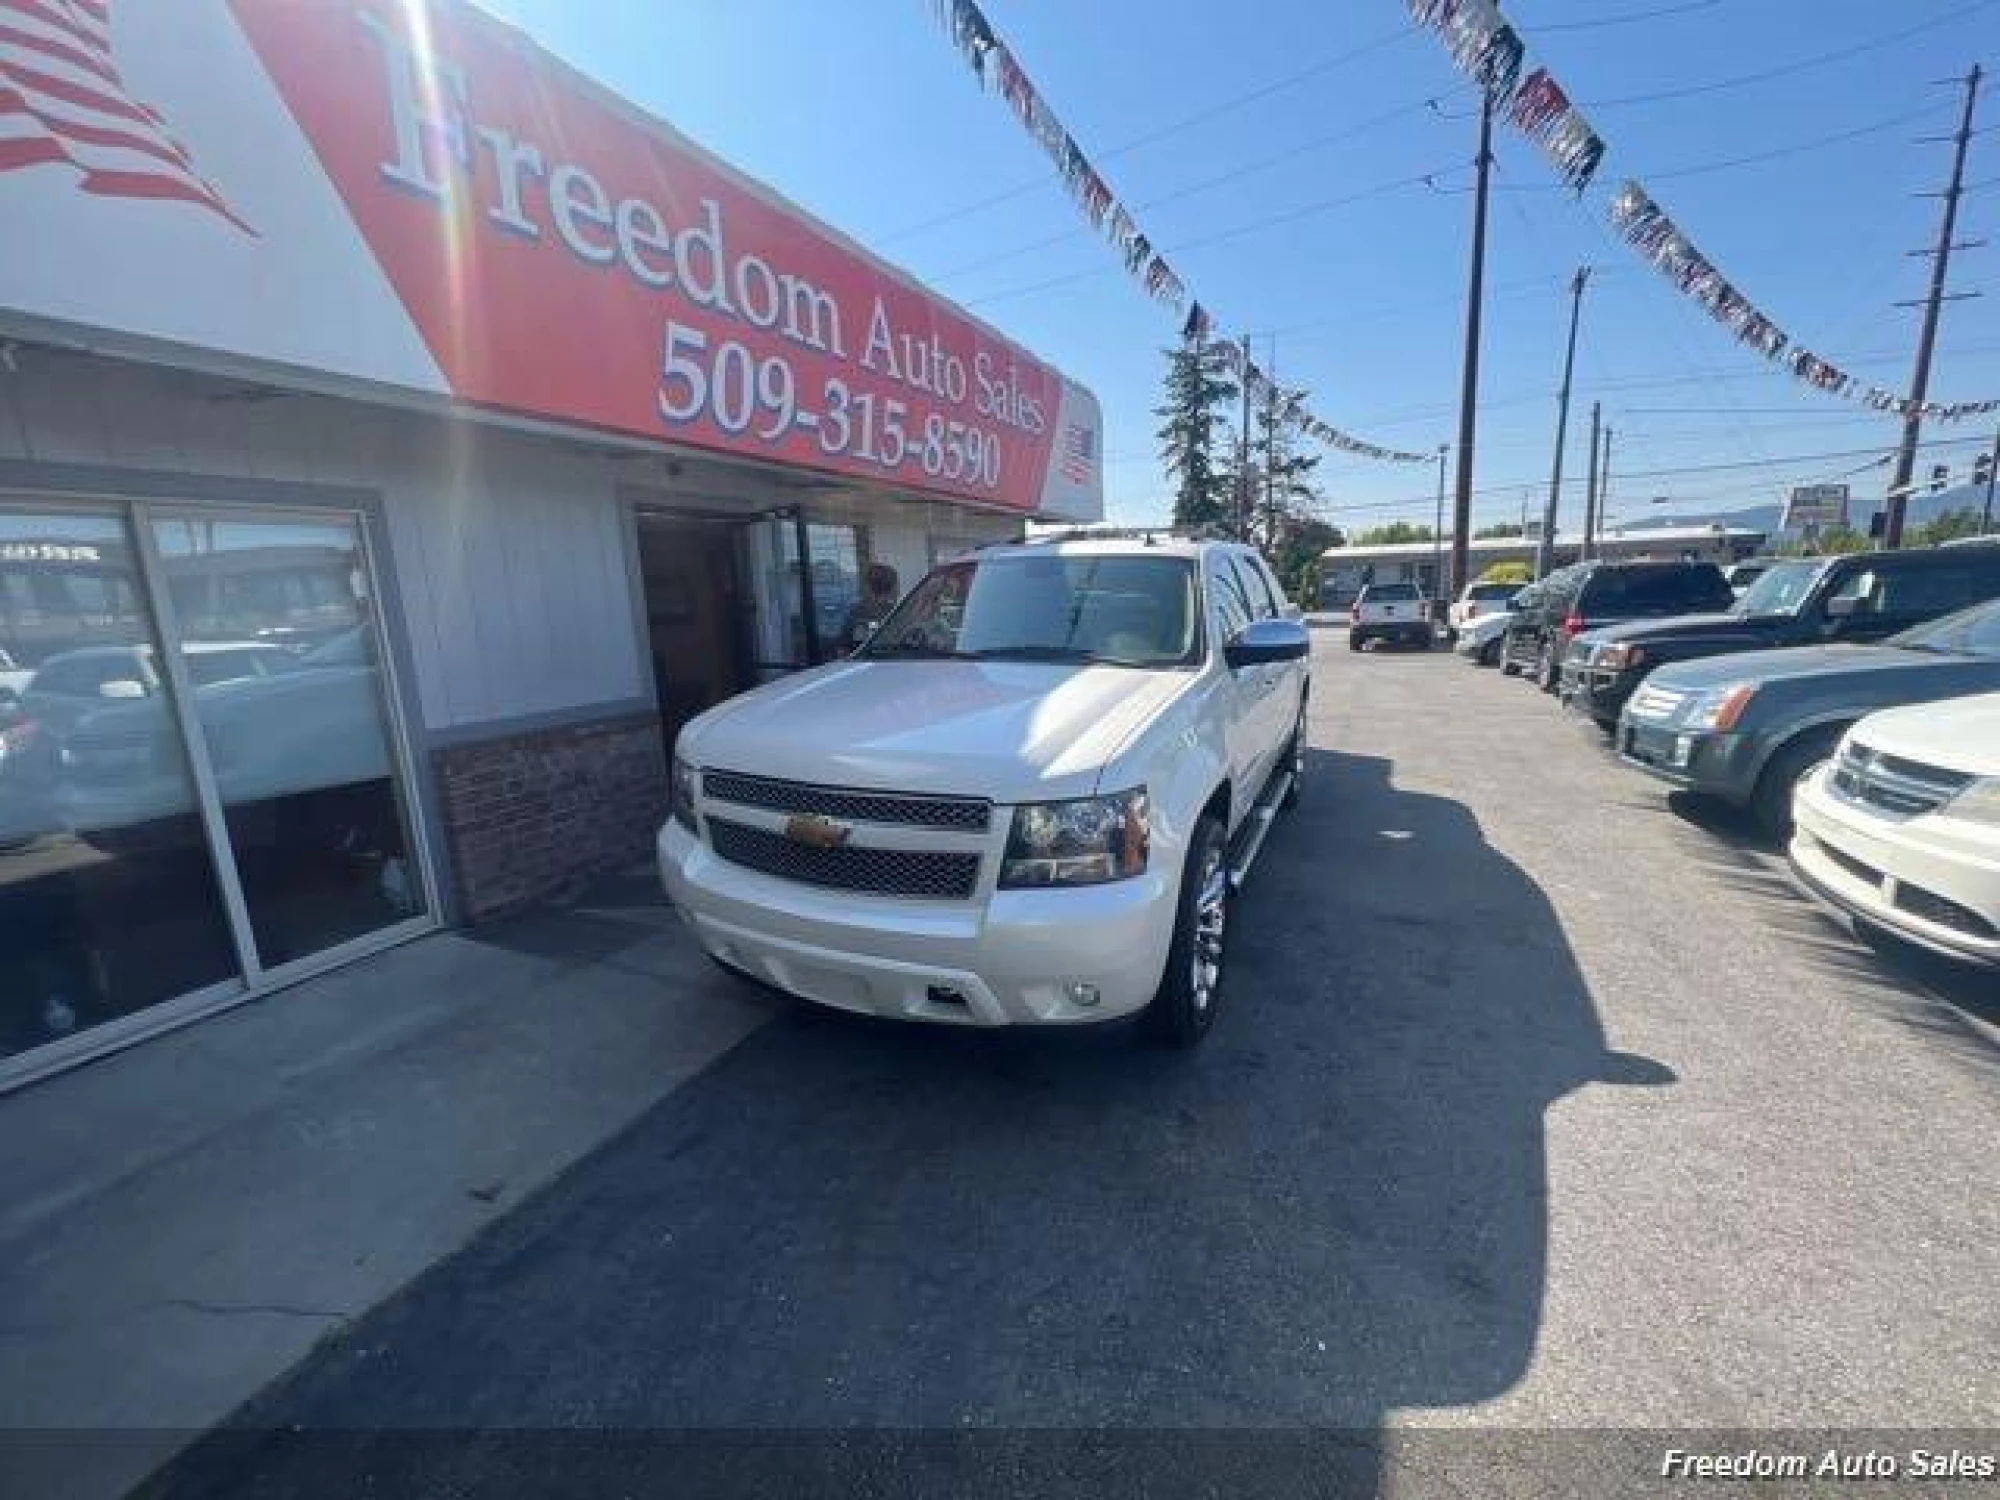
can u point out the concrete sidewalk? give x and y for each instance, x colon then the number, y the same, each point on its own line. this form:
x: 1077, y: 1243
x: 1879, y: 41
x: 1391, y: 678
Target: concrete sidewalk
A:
x: 182, y: 1222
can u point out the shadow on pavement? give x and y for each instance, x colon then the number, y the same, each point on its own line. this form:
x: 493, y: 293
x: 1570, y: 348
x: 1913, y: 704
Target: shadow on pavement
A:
x: 1945, y: 1000
x: 1336, y: 1209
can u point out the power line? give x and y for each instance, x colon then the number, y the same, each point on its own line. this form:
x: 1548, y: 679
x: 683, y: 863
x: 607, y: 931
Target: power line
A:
x: 1234, y: 174
x: 1164, y: 132
x: 1786, y: 70
x: 1631, y: 16
x: 1781, y: 152
x: 1235, y: 232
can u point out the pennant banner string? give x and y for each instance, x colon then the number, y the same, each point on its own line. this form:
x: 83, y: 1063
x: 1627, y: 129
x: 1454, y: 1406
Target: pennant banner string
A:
x: 996, y: 67
x: 1490, y: 52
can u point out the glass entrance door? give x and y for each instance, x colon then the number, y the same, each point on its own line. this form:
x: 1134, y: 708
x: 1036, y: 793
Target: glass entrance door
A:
x: 200, y: 785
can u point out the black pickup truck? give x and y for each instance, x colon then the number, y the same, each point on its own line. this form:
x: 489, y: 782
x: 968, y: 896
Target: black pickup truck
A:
x: 1867, y: 596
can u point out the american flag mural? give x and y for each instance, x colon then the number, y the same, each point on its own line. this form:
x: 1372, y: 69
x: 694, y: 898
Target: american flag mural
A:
x: 1079, y: 453
x: 64, y: 103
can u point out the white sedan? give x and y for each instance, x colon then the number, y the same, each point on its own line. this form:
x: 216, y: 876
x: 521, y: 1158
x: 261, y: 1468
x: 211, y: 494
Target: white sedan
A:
x: 1478, y: 640
x: 1901, y: 829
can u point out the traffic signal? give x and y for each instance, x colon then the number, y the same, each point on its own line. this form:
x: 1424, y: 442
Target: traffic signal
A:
x: 1878, y: 525
x: 1940, y: 476
x: 1982, y: 469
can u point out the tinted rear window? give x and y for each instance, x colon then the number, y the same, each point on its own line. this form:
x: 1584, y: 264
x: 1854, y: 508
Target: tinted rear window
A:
x: 1657, y: 591
x: 1388, y: 593
x: 1486, y: 591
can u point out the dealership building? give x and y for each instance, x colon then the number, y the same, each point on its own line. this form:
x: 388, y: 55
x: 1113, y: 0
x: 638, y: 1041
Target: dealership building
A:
x: 400, y: 437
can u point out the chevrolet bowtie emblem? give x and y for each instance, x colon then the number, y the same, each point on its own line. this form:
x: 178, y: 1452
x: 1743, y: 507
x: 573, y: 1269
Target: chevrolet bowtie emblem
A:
x: 817, y: 832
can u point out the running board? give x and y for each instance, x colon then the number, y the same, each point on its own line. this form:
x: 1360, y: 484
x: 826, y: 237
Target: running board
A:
x: 1256, y: 828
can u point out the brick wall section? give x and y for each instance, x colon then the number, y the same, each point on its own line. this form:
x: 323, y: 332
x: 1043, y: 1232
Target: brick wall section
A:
x: 533, y: 817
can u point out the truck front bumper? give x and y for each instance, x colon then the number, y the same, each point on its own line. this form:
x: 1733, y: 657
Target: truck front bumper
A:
x: 1006, y: 958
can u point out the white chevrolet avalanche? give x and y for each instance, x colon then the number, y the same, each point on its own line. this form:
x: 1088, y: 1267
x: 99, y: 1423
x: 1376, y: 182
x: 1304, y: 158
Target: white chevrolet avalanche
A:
x: 1028, y: 800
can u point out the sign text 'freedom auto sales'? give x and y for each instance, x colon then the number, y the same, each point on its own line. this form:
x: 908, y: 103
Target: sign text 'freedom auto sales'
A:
x: 923, y: 431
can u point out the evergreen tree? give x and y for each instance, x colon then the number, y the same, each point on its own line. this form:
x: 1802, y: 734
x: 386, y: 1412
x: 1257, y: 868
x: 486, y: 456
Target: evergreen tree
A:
x: 1198, y: 388
x: 1284, y: 491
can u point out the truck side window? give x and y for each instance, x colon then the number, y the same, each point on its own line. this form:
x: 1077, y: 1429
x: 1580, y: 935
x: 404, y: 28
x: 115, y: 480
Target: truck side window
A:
x: 1256, y: 588
x: 1229, y: 604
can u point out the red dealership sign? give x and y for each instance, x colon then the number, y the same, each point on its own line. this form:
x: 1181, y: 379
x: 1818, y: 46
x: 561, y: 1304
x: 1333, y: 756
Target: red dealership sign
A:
x: 435, y: 202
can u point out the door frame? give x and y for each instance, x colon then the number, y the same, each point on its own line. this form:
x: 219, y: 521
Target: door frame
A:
x: 129, y: 497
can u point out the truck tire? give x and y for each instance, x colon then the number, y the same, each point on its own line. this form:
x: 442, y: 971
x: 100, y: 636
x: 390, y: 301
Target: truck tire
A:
x: 1183, y: 1008
x: 1355, y: 642
x: 1489, y: 654
x: 1771, y: 804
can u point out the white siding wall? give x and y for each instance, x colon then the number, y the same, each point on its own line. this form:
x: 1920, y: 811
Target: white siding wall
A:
x: 508, y: 549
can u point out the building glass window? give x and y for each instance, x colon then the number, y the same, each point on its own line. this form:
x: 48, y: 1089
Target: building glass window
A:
x: 285, y: 654
x: 109, y: 901
x: 153, y: 846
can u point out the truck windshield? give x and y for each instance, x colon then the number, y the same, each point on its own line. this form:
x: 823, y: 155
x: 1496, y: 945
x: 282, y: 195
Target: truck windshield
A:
x: 1782, y: 590
x: 1119, y: 610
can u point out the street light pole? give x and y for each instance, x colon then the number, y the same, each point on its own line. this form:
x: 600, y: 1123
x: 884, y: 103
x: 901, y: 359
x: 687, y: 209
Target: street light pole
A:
x: 1545, y: 547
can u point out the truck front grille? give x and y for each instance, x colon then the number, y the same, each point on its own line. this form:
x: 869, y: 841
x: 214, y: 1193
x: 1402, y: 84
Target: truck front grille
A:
x: 907, y: 809
x: 936, y: 875
x: 1889, y: 784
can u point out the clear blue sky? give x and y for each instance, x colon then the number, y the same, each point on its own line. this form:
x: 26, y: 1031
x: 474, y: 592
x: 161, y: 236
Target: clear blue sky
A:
x: 862, y: 112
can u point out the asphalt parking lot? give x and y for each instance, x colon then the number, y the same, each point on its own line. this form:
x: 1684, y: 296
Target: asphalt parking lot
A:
x: 1539, y: 1102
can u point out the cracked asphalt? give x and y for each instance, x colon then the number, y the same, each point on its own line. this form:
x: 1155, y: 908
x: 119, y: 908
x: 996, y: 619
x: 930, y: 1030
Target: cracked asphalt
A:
x: 1540, y: 1103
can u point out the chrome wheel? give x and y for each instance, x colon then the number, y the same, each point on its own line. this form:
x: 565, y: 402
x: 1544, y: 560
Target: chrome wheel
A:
x: 1211, y: 917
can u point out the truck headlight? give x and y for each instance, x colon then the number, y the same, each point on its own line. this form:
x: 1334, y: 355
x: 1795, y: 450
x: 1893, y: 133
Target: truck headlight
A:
x: 681, y: 802
x: 1978, y: 803
x: 1085, y: 842
x: 1619, y: 657
x: 1720, y: 708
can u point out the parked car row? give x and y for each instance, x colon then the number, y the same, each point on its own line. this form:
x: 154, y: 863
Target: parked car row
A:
x: 1850, y: 705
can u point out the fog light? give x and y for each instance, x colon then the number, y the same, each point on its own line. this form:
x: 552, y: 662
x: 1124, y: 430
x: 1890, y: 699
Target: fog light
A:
x: 1079, y: 993
x: 1683, y: 749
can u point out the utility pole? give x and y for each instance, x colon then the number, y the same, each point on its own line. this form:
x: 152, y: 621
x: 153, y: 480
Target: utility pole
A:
x: 1545, y: 547
x: 1603, y: 488
x: 1590, y: 482
x: 1992, y: 474
x: 1437, y: 535
x: 1920, y: 377
x: 1468, y: 394
x: 1243, y: 453
x: 1271, y: 450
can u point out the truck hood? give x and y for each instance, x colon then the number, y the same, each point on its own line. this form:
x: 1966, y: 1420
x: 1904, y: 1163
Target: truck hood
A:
x: 1009, y: 731
x: 1747, y: 630
x: 1800, y: 662
x: 1960, y: 734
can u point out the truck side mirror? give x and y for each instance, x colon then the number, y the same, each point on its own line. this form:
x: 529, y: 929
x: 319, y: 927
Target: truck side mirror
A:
x: 1264, y: 642
x: 1842, y: 606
